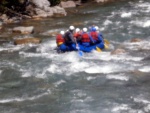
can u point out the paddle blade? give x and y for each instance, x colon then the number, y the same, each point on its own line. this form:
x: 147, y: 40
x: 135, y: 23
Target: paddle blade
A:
x: 106, y: 41
x: 98, y: 49
x: 106, y: 46
x: 80, y: 53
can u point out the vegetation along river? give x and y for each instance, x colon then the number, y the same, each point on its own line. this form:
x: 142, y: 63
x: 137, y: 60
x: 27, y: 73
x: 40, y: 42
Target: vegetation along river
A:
x: 34, y: 78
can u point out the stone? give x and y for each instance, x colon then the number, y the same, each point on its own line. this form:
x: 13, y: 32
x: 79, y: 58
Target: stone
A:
x: 41, y: 3
x: 23, y: 30
x: 27, y: 40
x: 59, y: 10
x: 118, y: 51
x: 67, y: 4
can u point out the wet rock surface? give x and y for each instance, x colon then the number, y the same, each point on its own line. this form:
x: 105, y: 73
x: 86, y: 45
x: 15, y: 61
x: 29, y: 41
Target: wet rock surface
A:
x: 27, y: 41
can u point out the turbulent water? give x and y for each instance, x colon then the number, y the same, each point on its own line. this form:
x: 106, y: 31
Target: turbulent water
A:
x: 35, y: 79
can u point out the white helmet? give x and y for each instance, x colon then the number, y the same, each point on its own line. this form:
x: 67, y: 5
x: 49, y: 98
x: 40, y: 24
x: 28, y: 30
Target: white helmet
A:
x: 71, y: 27
x: 84, y: 29
x: 77, y: 29
x: 62, y: 32
x: 97, y: 28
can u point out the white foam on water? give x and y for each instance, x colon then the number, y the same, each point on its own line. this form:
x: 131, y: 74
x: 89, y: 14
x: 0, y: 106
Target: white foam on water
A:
x: 106, y: 56
x: 107, y: 22
x: 39, y: 73
x: 118, y: 77
x: 143, y: 101
x: 78, y: 66
x: 59, y: 83
x: 53, y: 68
x: 126, y: 58
x: 45, y: 55
x: 102, y: 69
x: 145, y: 7
x: 25, y: 98
x: 138, y: 45
x: 47, y: 47
x: 141, y: 23
x: 147, y: 108
x: 125, y: 109
x: 126, y: 14
x: 140, y: 100
x: 70, y: 57
x: 113, y: 14
x: 1, y: 71
x: 119, y: 108
x: 26, y: 74
x: 12, y: 48
x: 94, y: 55
x: 91, y: 78
x: 146, y: 24
x: 68, y: 68
x: 145, y: 69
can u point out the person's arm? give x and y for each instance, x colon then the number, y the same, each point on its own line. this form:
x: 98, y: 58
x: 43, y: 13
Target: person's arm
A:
x: 100, y: 38
x: 92, y: 41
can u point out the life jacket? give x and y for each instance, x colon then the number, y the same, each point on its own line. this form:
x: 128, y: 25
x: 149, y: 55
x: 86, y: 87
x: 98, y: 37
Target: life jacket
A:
x: 85, y: 38
x: 94, y: 35
x: 59, y: 39
x: 77, y: 36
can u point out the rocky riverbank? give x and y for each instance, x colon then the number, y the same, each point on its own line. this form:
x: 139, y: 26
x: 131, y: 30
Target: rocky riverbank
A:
x: 41, y: 9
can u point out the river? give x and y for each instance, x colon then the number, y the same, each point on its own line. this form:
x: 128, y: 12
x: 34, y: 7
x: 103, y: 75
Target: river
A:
x: 36, y: 79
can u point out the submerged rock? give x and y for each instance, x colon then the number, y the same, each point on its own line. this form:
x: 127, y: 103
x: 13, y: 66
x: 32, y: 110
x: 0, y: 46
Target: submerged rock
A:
x: 136, y: 40
x: 27, y: 40
x: 23, y: 30
x: 118, y: 51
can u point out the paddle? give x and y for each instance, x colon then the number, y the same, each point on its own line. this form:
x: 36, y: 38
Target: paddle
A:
x: 106, y: 41
x: 80, y: 53
x: 98, y: 49
x: 106, y: 44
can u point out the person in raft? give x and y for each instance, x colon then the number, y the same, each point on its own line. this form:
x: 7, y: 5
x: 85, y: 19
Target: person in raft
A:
x: 60, y: 41
x: 95, y: 36
x: 77, y: 35
x: 85, y: 38
x: 98, y: 31
x: 70, y: 41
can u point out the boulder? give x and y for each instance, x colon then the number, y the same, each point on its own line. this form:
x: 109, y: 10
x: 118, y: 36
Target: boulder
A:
x: 41, y: 8
x: 41, y: 13
x: 23, y: 30
x: 4, y: 18
x: 59, y: 10
x: 67, y: 4
x: 118, y: 51
x: 40, y: 3
x: 27, y: 40
x: 78, y: 2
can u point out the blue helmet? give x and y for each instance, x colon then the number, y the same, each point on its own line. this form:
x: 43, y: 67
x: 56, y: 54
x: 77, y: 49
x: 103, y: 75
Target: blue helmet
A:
x: 93, y: 29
